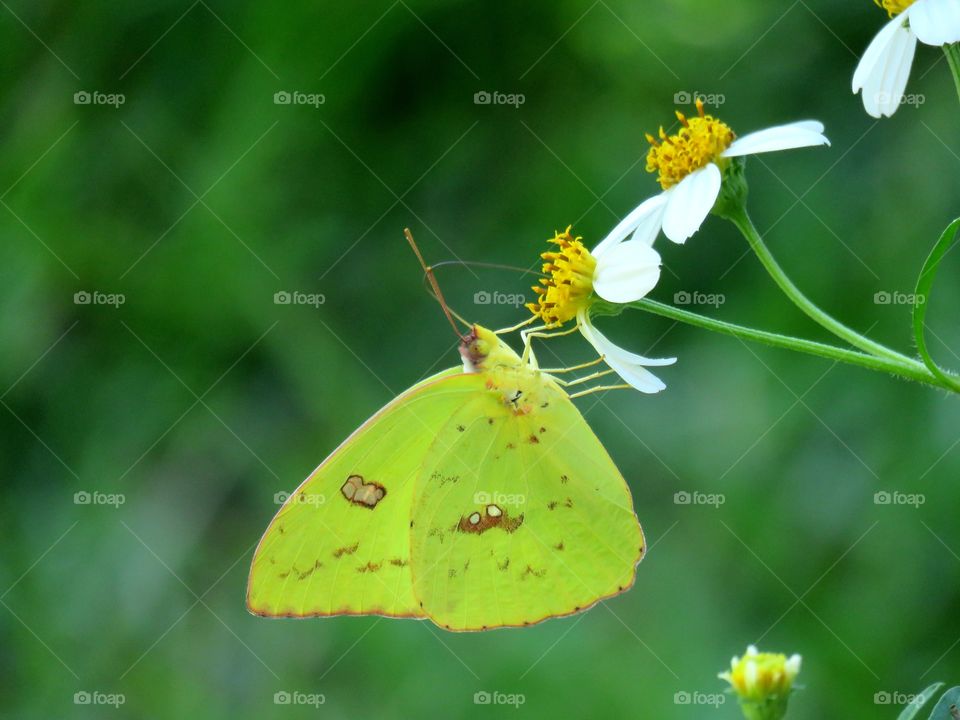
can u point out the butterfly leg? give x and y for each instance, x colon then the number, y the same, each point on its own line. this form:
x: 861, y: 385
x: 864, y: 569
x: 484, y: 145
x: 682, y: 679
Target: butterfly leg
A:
x: 513, y: 328
x: 585, y: 378
x: 537, y: 332
x: 555, y: 371
x: 601, y: 388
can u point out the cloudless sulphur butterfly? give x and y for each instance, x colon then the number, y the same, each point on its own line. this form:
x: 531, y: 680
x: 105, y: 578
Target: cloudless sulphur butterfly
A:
x: 479, y: 499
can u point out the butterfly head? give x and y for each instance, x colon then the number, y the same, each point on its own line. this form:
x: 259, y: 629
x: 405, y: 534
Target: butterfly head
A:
x: 481, y: 349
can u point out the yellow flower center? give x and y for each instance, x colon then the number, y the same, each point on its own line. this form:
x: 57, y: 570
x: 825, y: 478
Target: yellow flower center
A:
x: 700, y: 142
x: 894, y: 7
x: 568, y: 285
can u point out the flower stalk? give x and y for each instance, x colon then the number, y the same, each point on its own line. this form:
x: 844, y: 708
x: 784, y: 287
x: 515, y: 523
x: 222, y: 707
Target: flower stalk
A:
x: 907, y: 369
x: 737, y: 214
x: 953, y: 58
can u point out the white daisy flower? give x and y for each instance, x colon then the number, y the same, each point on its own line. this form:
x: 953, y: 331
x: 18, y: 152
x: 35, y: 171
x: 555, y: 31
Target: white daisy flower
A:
x: 690, y: 167
x: 618, y: 271
x: 884, y: 68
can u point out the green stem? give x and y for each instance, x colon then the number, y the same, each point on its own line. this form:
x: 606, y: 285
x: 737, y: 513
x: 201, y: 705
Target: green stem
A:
x: 907, y: 368
x: 953, y: 58
x: 740, y: 218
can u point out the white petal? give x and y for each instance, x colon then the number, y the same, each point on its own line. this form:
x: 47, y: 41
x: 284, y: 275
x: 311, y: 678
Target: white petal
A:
x: 644, y: 221
x: 885, y: 68
x: 690, y: 202
x: 627, y: 272
x: 627, y: 365
x: 935, y: 22
x: 806, y: 133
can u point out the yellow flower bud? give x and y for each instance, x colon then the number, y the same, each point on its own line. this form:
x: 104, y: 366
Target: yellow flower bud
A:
x: 763, y: 681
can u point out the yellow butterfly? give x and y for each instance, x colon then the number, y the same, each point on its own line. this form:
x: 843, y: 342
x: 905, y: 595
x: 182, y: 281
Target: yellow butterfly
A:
x: 479, y: 498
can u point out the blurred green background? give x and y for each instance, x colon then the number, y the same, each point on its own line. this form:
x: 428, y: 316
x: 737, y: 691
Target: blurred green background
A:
x: 199, y: 397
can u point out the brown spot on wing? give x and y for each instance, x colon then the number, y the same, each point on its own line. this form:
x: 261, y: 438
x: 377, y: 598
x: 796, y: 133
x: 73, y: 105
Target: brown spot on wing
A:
x: 531, y: 572
x: 361, y: 493
x: 369, y: 567
x: 346, y: 550
x: 492, y: 517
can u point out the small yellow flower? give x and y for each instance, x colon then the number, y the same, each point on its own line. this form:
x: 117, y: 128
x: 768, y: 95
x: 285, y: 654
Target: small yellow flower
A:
x: 617, y: 271
x: 691, y: 167
x: 568, y: 283
x: 763, y: 682
x: 701, y: 141
x: 894, y: 7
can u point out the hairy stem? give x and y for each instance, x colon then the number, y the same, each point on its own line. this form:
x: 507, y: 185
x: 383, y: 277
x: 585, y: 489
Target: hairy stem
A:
x: 796, y: 296
x: 905, y: 368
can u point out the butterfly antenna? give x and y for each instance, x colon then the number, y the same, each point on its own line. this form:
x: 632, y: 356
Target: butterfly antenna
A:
x: 428, y: 271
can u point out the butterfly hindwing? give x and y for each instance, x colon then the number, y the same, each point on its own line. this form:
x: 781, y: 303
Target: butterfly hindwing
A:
x: 520, y: 514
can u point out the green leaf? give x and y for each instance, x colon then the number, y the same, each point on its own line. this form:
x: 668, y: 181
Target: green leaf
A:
x: 950, y: 700
x: 924, y: 285
x: 911, y: 710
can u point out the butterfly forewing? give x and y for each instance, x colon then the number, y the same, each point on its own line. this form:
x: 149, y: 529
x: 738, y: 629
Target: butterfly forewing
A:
x: 341, y: 542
